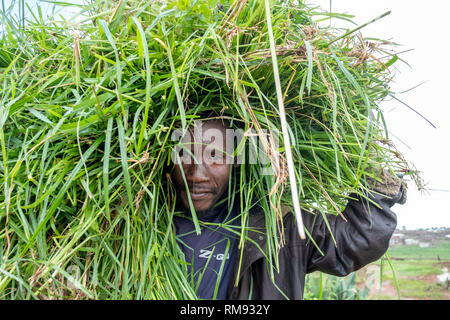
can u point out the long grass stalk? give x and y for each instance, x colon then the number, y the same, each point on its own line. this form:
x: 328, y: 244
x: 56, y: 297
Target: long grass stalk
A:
x: 287, y: 143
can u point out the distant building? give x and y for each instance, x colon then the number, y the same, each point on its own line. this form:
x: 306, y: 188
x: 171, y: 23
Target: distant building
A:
x: 424, y: 244
x: 411, y: 241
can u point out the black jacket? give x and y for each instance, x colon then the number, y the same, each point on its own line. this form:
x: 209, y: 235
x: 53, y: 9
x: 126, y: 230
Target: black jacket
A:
x: 364, y: 238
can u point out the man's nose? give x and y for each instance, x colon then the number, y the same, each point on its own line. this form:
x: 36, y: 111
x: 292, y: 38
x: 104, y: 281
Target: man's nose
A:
x: 196, y: 173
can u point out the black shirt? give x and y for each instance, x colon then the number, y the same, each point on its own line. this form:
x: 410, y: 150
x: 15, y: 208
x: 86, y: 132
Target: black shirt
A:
x: 212, y: 252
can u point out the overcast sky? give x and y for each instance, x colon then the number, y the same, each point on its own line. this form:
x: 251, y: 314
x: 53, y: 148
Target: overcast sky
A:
x: 423, y: 27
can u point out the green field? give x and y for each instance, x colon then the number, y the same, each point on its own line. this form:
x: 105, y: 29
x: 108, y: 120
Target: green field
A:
x: 411, y: 273
x: 440, y: 251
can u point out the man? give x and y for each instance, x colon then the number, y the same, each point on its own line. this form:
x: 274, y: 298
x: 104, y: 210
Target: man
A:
x: 215, y: 267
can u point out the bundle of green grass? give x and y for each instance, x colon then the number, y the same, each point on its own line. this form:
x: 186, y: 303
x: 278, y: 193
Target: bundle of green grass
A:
x: 88, y: 106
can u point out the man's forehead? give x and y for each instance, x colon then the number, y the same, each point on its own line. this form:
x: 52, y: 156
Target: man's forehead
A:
x: 208, y: 131
x: 210, y: 124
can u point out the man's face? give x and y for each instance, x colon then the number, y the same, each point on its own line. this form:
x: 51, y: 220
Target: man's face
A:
x: 205, y: 165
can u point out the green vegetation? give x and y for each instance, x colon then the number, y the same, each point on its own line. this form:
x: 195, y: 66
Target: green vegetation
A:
x: 413, y: 281
x: 412, y: 268
x: 87, y: 109
x: 321, y: 286
x: 440, y: 251
x: 416, y: 271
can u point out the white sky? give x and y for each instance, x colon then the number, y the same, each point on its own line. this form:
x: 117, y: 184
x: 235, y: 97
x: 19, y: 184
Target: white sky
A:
x: 422, y: 27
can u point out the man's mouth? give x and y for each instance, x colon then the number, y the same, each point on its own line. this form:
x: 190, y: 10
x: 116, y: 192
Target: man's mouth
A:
x: 199, y: 194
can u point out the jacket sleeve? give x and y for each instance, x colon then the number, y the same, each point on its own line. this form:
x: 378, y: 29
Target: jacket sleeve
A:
x: 360, y: 240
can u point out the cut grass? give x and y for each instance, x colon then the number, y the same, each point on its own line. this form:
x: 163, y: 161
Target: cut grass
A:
x: 87, y: 111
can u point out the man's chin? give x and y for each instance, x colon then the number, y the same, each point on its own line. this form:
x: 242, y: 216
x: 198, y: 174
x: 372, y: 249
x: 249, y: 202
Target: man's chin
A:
x: 202, y: 207
x: 199, y: 206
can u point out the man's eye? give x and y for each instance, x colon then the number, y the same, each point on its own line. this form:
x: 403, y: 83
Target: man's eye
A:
x: 185, y: 158
x: 215, y: 157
